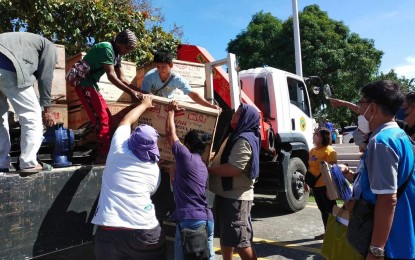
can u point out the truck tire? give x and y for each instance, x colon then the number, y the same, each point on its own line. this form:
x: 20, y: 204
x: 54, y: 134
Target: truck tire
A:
x: 295, y: 198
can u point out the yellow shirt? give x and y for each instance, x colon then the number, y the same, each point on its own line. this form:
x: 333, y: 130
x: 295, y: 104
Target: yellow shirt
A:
x: 317, y: 155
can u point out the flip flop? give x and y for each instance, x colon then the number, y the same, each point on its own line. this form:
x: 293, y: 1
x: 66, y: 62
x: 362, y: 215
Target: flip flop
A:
x: 40, y: 167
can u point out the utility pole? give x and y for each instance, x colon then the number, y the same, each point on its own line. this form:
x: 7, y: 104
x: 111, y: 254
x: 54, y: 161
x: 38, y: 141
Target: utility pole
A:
x: 297, y: 43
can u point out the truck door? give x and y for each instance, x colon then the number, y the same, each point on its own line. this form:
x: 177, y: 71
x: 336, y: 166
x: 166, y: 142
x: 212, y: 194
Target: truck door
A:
x: 300, y: 110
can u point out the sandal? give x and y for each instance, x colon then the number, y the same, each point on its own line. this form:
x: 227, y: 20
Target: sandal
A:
x: 40, y: 167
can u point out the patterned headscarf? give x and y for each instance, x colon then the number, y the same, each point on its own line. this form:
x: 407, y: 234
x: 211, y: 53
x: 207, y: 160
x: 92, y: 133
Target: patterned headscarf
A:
x: 143, y: 144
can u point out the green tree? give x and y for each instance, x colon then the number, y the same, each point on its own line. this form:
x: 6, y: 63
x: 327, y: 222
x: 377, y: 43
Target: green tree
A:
x: 79, y: 24
x: 257, y: 41
x: 330, y: 51
x: 406, y: 84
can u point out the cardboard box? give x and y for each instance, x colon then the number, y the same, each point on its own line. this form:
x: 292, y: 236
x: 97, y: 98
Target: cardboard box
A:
x: 59, y: 112
x: 60, y: 50
x: 78, y: 117
x: 109, y: 92
x: 194, y: 117
x: 58, y: 91
x: 194, y: 73
x: 332, y: 192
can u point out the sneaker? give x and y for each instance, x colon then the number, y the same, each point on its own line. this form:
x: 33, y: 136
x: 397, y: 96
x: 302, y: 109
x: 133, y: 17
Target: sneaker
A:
x: 319, y: 237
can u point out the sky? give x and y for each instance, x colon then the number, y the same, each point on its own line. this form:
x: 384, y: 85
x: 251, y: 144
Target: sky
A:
x: 212, y: 24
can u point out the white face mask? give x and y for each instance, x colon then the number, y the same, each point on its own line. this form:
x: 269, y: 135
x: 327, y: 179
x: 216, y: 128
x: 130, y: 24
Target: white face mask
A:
x: 363, y: 123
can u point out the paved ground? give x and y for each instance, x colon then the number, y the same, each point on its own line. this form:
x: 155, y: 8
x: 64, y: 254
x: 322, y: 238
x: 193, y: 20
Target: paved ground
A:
x: 278, y: 235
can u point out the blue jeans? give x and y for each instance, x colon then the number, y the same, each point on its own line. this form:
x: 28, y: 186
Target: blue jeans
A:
x: 192, y: 224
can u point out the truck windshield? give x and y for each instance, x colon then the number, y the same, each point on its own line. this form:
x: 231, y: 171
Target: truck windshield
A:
x: 298, y: 95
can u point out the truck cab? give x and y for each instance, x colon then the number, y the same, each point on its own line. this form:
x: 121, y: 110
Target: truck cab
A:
x: 283, y: 99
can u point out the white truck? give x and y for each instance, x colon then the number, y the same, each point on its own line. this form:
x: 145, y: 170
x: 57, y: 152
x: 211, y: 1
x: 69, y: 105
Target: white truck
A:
x: 286, y: 120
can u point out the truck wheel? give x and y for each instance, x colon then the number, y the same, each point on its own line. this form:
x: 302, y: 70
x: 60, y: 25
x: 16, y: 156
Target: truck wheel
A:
x: 295, y: 198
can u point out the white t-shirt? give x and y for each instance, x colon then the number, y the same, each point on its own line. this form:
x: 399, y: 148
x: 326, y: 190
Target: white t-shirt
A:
x: 127, y: 184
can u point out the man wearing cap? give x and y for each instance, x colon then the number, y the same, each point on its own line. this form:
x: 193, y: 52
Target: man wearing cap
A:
x: 105, y: 57
x: 125, y: 215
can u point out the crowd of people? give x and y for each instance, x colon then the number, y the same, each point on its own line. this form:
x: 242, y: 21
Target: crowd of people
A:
x: 126, y: 215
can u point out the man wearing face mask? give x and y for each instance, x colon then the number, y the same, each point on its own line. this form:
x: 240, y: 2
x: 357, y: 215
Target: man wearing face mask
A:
x: 387, y: 164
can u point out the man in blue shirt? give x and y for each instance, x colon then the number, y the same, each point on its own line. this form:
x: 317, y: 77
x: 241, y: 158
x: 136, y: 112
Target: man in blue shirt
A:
x: 388, y: 162
x: 154, y: 80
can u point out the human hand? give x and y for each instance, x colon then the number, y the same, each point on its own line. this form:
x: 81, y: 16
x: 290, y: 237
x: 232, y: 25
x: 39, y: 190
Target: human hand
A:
x: 215, y: 106
x: 347, y: 172
x: 47, y: 119
x: 136, y: 94
x: 147, y: 100
x: 174, y: 106
x: 306, y: 187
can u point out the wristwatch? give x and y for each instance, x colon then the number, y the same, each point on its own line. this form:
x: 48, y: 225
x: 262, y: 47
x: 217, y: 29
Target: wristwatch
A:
x: 378, y: 252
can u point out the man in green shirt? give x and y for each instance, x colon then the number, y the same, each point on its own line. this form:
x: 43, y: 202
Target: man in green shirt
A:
x: 105, y: 57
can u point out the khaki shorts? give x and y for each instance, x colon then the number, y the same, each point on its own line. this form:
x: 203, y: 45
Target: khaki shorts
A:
x: 234, y: 221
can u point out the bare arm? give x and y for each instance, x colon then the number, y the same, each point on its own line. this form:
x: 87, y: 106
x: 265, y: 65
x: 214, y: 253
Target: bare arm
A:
x: 196, y: 97
x: 225, y: 170
x: 384, y: 212
x: 113, y: 78
x: 121, y: 76
x: 136, y: 112
x: 342, y: 103
x: 170, y: 127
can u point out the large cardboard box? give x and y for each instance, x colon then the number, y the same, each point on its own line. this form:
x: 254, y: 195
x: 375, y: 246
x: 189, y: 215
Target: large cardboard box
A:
x: 60, y: 49
x: 58, y: 91
x: 193, y: 117
x: 110, y: 92
x: 59, y: 112
x: 332, y: 191
x: 193, y: 72
x: 78, y: 117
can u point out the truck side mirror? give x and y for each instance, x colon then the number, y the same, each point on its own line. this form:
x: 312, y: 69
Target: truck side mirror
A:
x: 327, y: 91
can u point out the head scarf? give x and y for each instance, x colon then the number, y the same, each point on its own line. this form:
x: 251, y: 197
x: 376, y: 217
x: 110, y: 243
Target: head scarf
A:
x: 143, y: 144
x: 247, y: 128
x: 126, y: 37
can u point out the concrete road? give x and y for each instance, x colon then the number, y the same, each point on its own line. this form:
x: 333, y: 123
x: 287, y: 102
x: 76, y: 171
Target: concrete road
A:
x: 278, y: 235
